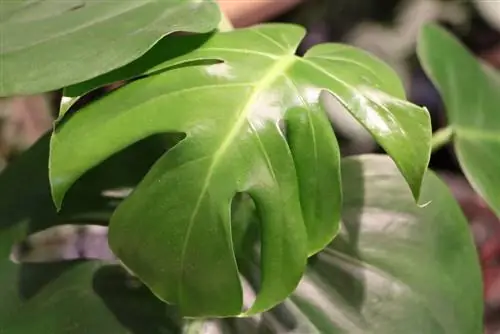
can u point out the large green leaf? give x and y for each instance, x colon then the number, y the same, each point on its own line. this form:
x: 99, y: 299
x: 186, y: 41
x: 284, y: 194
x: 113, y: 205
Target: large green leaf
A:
x: 397, y: 267
x: 471, y: 93
x: 253, y: 124
x: 394, y: 268
x: 49, y: 44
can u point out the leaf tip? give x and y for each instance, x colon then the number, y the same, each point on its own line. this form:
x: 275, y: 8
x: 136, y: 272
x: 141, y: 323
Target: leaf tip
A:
x: 58, y: 186
x: 430, y: 29
x: 57, y: 197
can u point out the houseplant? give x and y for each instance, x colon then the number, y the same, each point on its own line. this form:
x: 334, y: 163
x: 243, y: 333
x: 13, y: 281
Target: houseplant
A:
x: 224, y: 139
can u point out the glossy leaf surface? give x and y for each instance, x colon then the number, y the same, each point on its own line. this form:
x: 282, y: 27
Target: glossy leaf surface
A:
x: 50, y: 44
x: 471, y: 93
x: 253, y: 124
x: 374, y: 278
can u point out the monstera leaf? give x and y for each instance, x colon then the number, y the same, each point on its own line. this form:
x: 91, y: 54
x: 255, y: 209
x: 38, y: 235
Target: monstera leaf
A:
x: 50, y: 44
x: 471, y: 94
x: 394, y: 268
x: 253, y: 124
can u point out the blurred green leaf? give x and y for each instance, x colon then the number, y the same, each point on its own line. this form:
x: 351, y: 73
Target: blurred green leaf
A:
x: 394, y: 268
x: 234, y: 115
x: 72, y: 297
x: 50, y: 44
x: 471, y: 93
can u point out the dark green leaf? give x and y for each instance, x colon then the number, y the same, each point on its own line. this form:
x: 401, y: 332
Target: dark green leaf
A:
x: 395, y: 267
x: 75, y: 297
x: 471, y: 95
x: 174, y: 230
x: 50, y: 44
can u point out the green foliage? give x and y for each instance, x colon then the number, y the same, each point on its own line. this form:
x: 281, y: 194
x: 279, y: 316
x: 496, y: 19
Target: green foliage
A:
x: 180, y: 245
x: 374, y: 278
x: 66, y: 297
x: 470, y: 91
x: 49, y: 44
x: 236, y: 171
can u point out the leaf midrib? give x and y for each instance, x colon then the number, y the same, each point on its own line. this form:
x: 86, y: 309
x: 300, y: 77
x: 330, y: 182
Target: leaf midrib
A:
x: 365, y: 265
x: 476, y: 134
x: 280, y: 66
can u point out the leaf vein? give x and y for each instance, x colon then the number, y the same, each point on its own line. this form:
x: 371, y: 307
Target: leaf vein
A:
x: 245, y: 51
x: 274, y: 71
x: 270, y: 39
x: 329, y: 255
x: 346, y: 60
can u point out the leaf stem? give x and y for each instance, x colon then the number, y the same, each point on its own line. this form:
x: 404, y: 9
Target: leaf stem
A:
x: 441, y: 137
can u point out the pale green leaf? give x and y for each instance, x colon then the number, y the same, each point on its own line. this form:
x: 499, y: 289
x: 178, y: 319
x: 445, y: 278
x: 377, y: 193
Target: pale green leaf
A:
x: 471, y: 93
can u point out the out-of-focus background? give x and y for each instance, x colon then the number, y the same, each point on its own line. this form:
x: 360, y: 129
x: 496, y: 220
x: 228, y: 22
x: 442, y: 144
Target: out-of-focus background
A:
x: 386, y: 28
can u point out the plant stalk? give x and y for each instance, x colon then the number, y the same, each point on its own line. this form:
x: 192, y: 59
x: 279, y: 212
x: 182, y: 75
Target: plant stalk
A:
x: 441, y: 137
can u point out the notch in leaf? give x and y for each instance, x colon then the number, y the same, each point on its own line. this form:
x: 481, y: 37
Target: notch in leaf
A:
x: 174, y: 230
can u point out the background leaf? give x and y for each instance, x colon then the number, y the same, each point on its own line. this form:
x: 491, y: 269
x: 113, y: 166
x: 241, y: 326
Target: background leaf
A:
x: 71, y: 297
x: 167, y: 53
x: 50, y: 44
x: 394, y: 268
x: 471, y: 93
x: 253, y: 124
x: 405, y: 269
